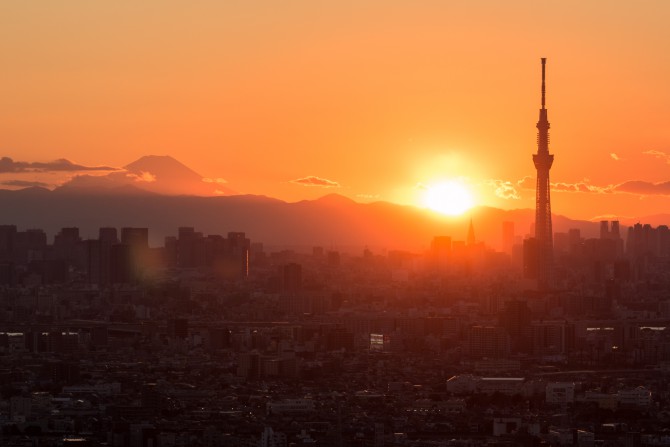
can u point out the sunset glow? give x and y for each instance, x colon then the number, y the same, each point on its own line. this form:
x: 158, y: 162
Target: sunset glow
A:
x: 449, y: 197
x: 263, y: 94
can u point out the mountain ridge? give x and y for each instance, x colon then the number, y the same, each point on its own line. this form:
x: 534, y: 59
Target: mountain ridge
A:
x: 333, y: 220
x: 158, y: 191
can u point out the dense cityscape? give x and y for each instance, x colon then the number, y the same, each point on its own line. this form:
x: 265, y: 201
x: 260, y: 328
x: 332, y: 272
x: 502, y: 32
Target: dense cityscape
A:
x: 334, y: 224
x: 210, y: 340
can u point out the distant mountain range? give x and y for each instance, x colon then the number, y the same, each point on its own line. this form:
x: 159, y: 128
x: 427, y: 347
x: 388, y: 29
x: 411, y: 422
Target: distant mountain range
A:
x: 331, y: 221
x: 168, y: 197
x: 159, y: 174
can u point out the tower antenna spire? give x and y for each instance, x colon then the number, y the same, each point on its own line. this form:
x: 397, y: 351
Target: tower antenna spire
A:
x: 544, y: 62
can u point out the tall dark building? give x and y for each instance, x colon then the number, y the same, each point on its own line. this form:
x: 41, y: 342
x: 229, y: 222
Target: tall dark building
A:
x: 238, y: 252
x: 108, y: 235
x: 7, y: 237
x: 543, y: 161
x: 137, y: 238
x: 516, y: 319
x: 471, y: 234
x: 508, y: 237
x: 137, y: 241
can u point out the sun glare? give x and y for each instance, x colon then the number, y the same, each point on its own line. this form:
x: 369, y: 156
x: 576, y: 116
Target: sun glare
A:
x: 450, y: 197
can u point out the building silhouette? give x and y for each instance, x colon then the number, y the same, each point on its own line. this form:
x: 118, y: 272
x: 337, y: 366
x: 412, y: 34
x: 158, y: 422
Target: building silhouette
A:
x: 508, y: 237
x: 291, y: 277
x: 471, y: 234
x: 543, y: 232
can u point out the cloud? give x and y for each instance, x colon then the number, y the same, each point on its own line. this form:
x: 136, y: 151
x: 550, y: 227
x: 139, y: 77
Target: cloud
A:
x: 368, y: 196
x: 504, y: 189
x: 24, y: 184
x: 614, y: 156
x: 644, y: 188
x: 527, y: 182
x: 146, y: 177
x: 639, y: 187
x: 219, y: 180
x: 316, y: 181
x: 60, y: 165
x: 608, y: 217
x: 659, y: 154
x: 583, y: 186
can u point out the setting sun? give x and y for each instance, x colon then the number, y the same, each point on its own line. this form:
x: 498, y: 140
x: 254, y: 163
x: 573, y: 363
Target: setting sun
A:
x: 450, y: 197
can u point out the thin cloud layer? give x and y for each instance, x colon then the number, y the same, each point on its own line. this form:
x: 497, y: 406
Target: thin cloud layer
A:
x: 583, y: 186
x: 316, y: 181
x: 659, y: 154
x: 368, y: 196
x: 220, y: 181
x: 505, y: 189
x: 8, y: 165
x: 142, y: 176
x: 644, y: 188
x: 527, y: 182
x: 24, y: 184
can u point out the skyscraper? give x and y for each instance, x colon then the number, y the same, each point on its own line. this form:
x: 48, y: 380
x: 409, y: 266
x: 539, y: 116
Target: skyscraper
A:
x: 471, y: 234
x: 508, y: 237
x: 543, y: 161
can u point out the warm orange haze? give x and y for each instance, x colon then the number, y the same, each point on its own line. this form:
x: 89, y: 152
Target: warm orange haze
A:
x: 428, y: 104
x: 335, y: 223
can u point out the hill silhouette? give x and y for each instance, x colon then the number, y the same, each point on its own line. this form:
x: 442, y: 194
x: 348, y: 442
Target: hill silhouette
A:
x: 331, y: 221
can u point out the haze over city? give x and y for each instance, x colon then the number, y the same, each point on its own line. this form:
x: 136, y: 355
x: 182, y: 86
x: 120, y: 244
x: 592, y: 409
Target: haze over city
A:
x: 332, y: 224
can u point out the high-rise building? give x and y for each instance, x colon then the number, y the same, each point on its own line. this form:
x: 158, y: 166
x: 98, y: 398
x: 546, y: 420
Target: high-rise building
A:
x: 471, y: 234
x: 291, y: 275
x: 487, y: 341
x: 516, y: 319
x: 99, y: 256
x: 108, y: 235
x: 508, y: 237
x: 543, y: 232
x: 137, y: 238
x: 120, y: 264
x: 7, y: 236
x: 186, y: 247
x: 66, y: 244
x: 238, y: 252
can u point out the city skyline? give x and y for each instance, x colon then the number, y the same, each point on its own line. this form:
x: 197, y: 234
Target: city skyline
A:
x: 313, y: 223
x: 373, y: 101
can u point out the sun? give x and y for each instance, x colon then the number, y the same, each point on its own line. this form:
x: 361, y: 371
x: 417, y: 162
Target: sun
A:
x: 449, y: 197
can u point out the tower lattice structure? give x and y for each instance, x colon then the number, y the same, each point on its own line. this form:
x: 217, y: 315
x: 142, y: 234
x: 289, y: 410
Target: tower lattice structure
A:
x: 543, y: 161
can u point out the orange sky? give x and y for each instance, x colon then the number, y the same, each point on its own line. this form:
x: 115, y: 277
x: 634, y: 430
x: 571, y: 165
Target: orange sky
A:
x: 377, y: 96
